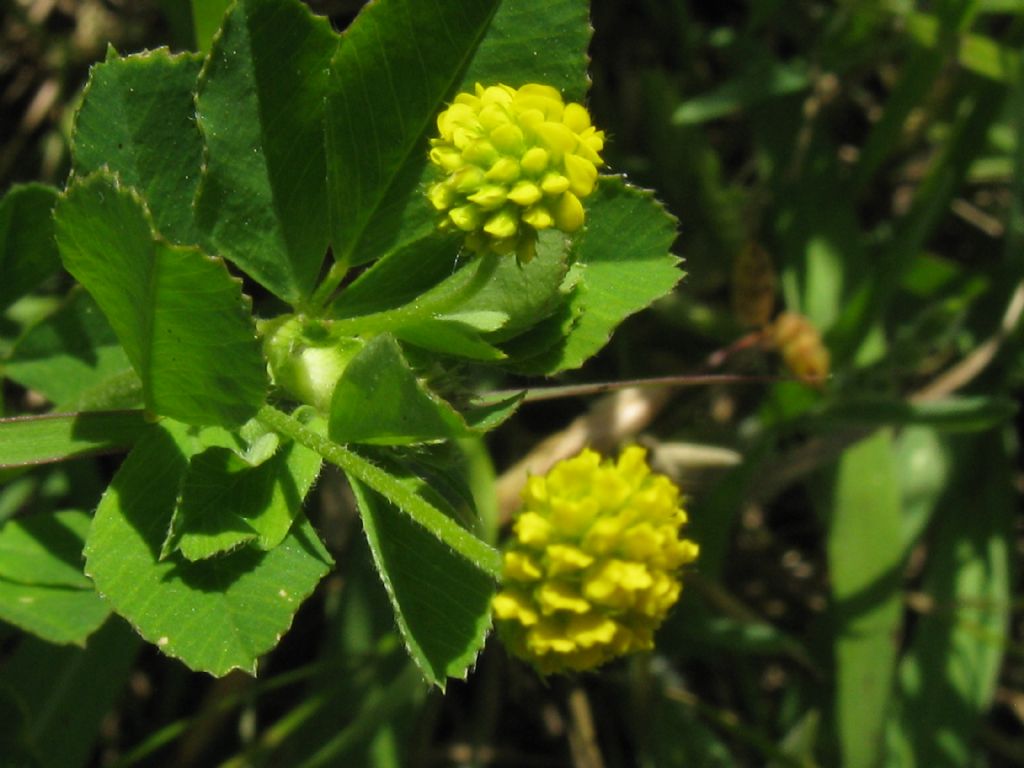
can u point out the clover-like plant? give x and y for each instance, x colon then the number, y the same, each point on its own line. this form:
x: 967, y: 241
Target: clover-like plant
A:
x: 407, y: 203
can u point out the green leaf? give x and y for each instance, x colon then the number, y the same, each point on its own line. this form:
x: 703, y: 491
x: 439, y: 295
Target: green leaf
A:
x: 14, y: 741
x: 820, y: 245
x: 449, y: 338
x: 759, y: 84
x: 975, y: 113
x: 60, y: 615
x: 180, y: 316
x: 533, y: 41
x: 400, y: 277
x: 408, y: 494
x: 970, y: 413
x: 949, y: 675
x: 207, y: 16
x: 524, y: 293
x: 215, y: 615
x: 138, y: 120
x: 442, y: 603
x: 483, y: 415
x: 411, y: 291
x: 379, y: 399
x: 42, y: 587
x: 625, y: 263
x: 397, y: 63
x: 226, y: 501
x: 74, y: 359
x: 68, y: 691
x: 27, y: 440
x: 259, y: 105
x: 865, y: 553
x: 975, y: 53
x: 379, y: 145
x: 45, y: 550
x: 924, y: 464
x: 466, y: 313
x: 28, y: 254
x: 435, y: 474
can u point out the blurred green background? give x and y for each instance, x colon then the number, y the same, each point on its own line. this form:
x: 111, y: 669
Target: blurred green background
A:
x: 858, y: 600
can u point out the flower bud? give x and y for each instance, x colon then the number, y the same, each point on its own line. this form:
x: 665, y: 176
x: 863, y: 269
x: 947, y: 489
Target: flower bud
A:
x: 305, y: 360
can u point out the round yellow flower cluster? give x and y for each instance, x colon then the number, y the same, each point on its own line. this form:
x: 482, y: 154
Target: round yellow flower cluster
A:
x: 515, y: 161
x: 592, y: 569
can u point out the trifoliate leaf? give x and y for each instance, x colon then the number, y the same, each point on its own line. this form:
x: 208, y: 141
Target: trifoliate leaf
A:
x: 180, y: 316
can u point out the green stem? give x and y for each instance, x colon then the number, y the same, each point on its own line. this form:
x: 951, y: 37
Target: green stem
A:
x: 325, y: 291
x: 483, y: 556
x: 436, y: 301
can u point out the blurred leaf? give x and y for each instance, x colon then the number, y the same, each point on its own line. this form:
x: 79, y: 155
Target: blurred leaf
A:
x: 380, y: 145
x: 624, y: 258
x: 976, y: 110
x: 865, y: 555
x: 976, y: 53
x: 57, y: 614
x: 42, y: 588
x: 917, y: 79
x: 442, y: 603
x: 215, y: 615
x: 207, y: 16
x: 799, y: 743
x: 379, y: 713
x: 67, y: 691
x: 138, y: 121
x: 924, y: 466
x: 14, y: 741
x: 751, y: 637
x: 363, y: 649
x: 45, y: 550
x: 968, y: 413
x: 760, y: 83
x: 27, y: 440
x: 820, y: 243
x: 260, y: 106
x: 948, y: 677
x: 74, y: 359
x: 180, y: 316
x: 28, y: 254
x: 1001, y: 6
x: 679, y: 739
x: 226, y: 502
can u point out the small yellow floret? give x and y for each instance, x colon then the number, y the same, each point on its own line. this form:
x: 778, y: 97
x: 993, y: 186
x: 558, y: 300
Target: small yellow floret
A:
x: 592, y: 568
x: 521, y: 158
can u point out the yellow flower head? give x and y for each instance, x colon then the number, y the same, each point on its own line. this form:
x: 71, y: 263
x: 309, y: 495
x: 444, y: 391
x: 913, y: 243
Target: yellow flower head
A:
x: 514, y: 161
x: 592, y: 568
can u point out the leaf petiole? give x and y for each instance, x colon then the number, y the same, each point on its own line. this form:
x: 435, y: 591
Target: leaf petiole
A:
x: 481, y: 555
